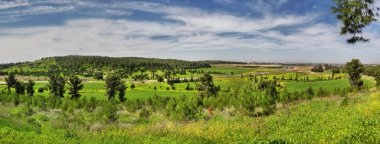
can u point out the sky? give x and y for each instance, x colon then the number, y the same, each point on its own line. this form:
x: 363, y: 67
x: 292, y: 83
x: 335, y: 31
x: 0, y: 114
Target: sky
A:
x: 286, y: 31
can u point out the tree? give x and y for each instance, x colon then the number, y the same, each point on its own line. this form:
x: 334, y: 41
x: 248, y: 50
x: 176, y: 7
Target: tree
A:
x: 207, y: 86
x: 153, y: 71
x: 75, y: 85
x: 29, y: 87
x: 188, y: 86
x: 355, y: 16
x: 112, y: 84
x: 122, y: 88
x: 377, y: 78
x: 317, y: 68
x: 19, y: 87
x: 354, y: 70
x: 310, y: 92
x: 57, y: 85
x: 99, y: 75
x: 160, y: 79
x: 11, y: 81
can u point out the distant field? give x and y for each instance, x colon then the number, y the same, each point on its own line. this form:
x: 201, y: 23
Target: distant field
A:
x: 328, y: 84
x: 227, y: 70
x: 148, y: 89
x: 142, y: 90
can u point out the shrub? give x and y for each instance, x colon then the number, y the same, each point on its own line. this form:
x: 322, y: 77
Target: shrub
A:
x: 41, y: 89
x: 109, y: 111
x: 160, y: 79
x: 318, y: 68
x: 145, y: 113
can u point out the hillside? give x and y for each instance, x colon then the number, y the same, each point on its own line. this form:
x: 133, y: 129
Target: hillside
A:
x: 321, y: 120
x: 90, y: 64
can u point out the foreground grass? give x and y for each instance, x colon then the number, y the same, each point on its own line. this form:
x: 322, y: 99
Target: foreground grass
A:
x: 321, y: 120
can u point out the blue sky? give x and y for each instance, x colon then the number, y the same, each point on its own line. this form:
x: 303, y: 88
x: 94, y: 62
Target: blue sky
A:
x: 239, y: 30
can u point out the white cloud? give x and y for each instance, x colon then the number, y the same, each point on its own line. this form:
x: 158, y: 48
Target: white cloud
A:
x: 12, y: 4
x: 197, y: 31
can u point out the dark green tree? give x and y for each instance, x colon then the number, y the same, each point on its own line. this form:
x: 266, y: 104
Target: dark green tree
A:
x: 310, y: 92
x: 112, y: 85
x: 354, y: 70
x: 30, y: 87
x: 207, y: 86
x: 133, y: 86
x: 11, y: 81
x: 74, y: 86
x: 99, y: 75
x: 121, y: 89
x: 56, y: 85
x: 318, y: 68
x: 160, y: 79
x: 188, y: 86
x: 377, y: 78
x: 355, y: 16
x: 19, y: 87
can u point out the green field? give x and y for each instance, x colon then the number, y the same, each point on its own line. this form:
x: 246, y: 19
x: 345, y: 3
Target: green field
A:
x: 227, y: 70
x: 316, y: 121
x: 330, y: 119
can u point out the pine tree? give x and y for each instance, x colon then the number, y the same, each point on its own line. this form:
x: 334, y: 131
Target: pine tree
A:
x: 112, y: 83
x: 29, y: 87
x: 75, y: 85
x: 121, y: 89
x: 11, y: 81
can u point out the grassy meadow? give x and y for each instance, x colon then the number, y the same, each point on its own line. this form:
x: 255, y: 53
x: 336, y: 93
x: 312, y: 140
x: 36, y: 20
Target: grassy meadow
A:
x: 331, y: 119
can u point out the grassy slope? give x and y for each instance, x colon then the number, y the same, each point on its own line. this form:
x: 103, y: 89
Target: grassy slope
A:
x: 39, y: 65
x: 322, y: 120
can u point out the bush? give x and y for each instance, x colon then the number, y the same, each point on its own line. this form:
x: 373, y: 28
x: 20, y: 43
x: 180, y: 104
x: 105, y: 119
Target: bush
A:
x: 109, y: 111
x: 133, y: 86
x: 144, y: 113
x: 41, y: 89
x: 91, y: 104
x: 318, y: 68
x: 160, y: 79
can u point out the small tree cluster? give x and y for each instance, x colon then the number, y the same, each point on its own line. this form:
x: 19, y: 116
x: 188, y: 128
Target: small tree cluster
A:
x: 318, y: 68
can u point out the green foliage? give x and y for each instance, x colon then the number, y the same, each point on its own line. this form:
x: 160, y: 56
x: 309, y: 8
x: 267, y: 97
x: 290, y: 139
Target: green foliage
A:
x: 354, y: 70
x: 355, y: 16
x: 75, y: 85
x: 121, y: 89
x: 30, y: 87
x: 145, y: 113
x: 184, y: 108
x: 112, y: 84
x: 41, y: 89
x: 109, y: 111
x: 160, y: 79
x: 10, y: 80
x: 207, y: 86
x: 318, y: 68
x: 19, y: 87
x: 377, y: 78
x: 99, y: 75
x: 57, y: 85
x: 310, y: 92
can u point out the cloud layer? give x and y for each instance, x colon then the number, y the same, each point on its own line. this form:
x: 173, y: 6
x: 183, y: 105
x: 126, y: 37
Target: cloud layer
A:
x: 175, y: 31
